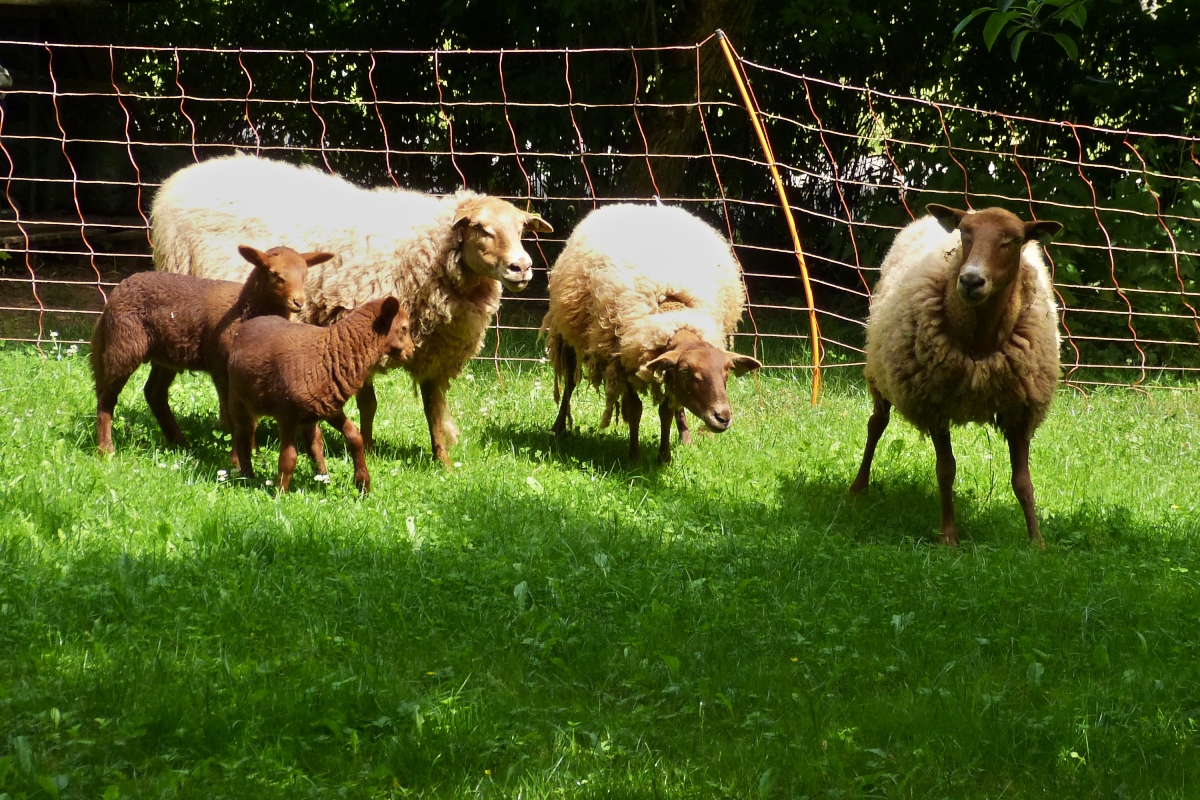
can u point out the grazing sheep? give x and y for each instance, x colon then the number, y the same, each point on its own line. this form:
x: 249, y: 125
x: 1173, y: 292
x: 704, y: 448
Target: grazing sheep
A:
x: 964, y: 328
x: 645, y: 298
x: 301, y: 374
x: 177, y: 322
x: 445, y: 259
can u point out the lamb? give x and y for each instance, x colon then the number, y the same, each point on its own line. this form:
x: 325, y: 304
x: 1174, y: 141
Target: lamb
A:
x: 644, y: 298
x: 964, y: 328
x: 177, y: 322
x: 444, y: 259
x: 301, y: 374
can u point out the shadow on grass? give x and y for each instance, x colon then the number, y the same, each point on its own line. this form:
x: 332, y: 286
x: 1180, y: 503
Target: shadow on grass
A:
x: 605, y: 451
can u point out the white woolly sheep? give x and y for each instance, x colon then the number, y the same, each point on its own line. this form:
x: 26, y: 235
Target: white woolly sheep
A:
x: 444, y: 259
x: 964, y: 328
x: 645, y: 298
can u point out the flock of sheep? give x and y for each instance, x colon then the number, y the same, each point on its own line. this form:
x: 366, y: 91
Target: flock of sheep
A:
x: 643, y: 300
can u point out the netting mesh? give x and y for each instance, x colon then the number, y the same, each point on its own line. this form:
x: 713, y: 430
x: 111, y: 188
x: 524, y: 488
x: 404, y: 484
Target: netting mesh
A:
x: 90, y: 132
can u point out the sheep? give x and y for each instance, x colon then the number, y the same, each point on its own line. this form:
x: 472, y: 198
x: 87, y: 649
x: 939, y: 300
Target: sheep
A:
x: 444, y: 259
x: 645, y: 298
x: 177, y: 322
x: 301, y: 374
x: 964, y: 328
x: 6, y: 81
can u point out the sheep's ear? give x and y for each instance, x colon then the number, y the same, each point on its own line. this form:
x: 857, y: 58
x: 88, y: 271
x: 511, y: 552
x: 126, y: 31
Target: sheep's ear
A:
x: 534, y: 222
x: 658, y: 366
x: 740, y: 365
x: 312, y: 259
x: 255, y: 257
x: 949, y: 217
x: 1041, y: 227
x: 462, y: 218
x: 387, y: 312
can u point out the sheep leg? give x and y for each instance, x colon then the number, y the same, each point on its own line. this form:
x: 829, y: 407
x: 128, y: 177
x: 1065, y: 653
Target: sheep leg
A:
x: 666, y: 415
x: 156, y: 389
x: 567, y: 366
x: 314, y: 445
x: 243, y: 441
x: 106, y: 402
x: 433, y: 397
x: 631, y: 411
x: 287, y: 454
x: 685, y: 434
x: 357, y: 448
x: 875, y: 428
x: 945, y: 475
x: 367, y: 405
x: 1022, y: 484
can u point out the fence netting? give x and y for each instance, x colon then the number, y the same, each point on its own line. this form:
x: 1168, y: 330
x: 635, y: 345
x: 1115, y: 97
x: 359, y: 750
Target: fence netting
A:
x: 87, y: 133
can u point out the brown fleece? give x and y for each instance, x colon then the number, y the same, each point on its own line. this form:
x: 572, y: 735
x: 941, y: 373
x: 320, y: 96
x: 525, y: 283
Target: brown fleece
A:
x: 177, y: 323
x: 301, y: 374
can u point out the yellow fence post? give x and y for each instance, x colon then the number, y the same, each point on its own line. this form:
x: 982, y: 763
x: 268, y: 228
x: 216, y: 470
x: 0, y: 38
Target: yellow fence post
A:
x: 814, y: 328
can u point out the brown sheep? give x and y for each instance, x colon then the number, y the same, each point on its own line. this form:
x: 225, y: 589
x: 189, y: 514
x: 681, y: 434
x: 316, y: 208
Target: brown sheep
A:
x: 177, y: 322
x: 964, y: 328
x: 301, y: 374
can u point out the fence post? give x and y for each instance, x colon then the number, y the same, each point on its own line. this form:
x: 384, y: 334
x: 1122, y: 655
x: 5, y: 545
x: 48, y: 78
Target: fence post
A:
x: 814, y: 328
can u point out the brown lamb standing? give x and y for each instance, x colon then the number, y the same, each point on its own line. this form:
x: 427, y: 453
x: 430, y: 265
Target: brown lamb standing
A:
x: 177, y: 323
x: 301, y: 374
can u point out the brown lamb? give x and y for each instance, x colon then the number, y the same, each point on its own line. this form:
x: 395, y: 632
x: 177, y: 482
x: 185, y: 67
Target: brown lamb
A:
x: 301, y: 374
x: 177, y: 323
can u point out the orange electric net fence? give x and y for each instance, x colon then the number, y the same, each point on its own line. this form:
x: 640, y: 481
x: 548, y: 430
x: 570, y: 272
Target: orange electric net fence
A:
x: 809, y: 178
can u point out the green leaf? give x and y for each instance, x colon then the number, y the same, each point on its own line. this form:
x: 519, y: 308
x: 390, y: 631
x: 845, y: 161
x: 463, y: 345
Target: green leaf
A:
x: 967, y: 21
x: 994, y: 25
x: 1078, y: 15
x: 1067, y: 44
x: 1015, y: 47
x: 1005, y: 5
x: 672, y: 665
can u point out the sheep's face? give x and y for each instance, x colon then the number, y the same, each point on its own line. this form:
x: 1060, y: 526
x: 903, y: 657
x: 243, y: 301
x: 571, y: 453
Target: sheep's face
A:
x: 392, y: 323
x: 991, y: 248
x: 695, y: 375
x: 490, y: 230
x: 280, y: 272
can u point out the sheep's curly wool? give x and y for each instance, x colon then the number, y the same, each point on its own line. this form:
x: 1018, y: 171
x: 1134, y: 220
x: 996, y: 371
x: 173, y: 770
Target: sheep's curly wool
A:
x: 629, y: 278
x: 387, y: 242
x: 914, y: 359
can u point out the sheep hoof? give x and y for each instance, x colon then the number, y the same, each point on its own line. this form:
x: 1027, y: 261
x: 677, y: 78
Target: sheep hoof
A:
x: 949, y: 539
x: 858, y: 488
x: 685, y: 438
x: 1038, y: 542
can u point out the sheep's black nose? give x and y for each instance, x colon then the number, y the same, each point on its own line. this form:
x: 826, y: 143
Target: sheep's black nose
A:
x: 971, y: 281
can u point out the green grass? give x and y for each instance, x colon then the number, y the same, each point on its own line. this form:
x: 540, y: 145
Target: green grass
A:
x: 549, y: 621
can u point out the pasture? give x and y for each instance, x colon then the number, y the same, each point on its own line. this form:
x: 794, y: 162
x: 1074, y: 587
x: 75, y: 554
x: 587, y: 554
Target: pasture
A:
x: 547, y: 620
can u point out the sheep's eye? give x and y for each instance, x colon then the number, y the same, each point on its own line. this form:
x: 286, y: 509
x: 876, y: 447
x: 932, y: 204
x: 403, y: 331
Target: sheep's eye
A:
x: 478, y: 228
x: 685, y: 371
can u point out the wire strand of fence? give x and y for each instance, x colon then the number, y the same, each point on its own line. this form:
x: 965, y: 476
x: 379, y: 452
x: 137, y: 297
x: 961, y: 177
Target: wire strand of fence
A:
x: 89, y: 136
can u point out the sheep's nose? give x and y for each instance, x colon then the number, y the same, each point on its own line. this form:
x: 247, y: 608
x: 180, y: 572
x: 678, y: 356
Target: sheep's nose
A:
x: 971, y: 281
x: 719, y: 419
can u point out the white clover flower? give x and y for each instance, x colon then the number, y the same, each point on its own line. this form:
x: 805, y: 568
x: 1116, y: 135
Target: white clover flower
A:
x: 222, y: 476
x: 53, y: 334
x: 269, y: 482
x: 73, y: 349
x: 322, y: 478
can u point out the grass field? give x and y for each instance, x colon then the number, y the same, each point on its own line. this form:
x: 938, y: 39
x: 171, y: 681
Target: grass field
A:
x: 547, y: 620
